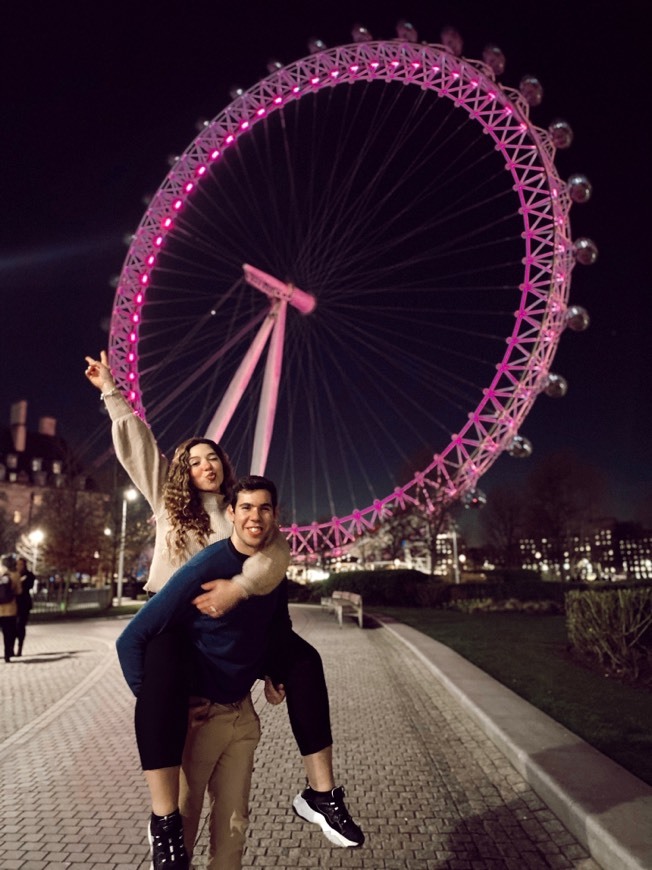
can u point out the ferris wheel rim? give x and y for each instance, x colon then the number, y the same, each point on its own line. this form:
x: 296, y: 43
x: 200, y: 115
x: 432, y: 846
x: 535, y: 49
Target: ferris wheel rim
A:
x: 503, y: 114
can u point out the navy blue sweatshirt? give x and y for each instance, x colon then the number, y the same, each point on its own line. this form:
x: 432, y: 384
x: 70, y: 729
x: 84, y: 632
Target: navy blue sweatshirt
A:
x: 228, y: 651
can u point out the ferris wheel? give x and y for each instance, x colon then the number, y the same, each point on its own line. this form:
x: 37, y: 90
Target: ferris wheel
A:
x: 384, y: 225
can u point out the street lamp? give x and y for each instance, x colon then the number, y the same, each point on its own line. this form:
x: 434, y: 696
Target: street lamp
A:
x: 128, y: 495
x: 456, y: 563
x: 36, y: 538
x: 108, y: 533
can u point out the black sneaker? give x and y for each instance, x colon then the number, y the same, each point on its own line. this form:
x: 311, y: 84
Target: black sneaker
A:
x: 165, y: 834
x: 328, y: 810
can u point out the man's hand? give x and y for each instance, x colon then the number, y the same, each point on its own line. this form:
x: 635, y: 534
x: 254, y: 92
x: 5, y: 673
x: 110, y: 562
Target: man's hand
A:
x: 274, y: 694
x: 220, y: 597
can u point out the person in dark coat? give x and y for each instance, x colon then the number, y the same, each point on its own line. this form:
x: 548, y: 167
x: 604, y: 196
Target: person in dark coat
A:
x: 9, y: 589
x: 23, y: 602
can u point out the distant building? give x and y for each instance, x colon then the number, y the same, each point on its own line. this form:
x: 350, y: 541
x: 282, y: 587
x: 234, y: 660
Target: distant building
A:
x: 30, y: 464
x: 608, y: 550
x: 635, y: 550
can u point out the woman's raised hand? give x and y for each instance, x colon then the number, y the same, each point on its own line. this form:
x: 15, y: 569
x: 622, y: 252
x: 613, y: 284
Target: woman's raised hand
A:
x: 99, y: 373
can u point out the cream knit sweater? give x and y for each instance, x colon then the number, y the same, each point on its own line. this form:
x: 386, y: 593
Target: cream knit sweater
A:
x: 138, y: 453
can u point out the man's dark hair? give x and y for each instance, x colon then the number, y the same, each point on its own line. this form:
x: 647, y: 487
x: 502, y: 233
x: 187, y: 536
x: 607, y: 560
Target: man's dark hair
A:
x: 252, y: 482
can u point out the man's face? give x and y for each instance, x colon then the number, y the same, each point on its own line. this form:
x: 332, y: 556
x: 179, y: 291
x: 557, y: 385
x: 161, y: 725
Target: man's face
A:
x: 253, y: 520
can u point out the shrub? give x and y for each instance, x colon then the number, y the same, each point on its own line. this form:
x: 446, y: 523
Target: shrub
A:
x: 611, y: 626
x: 531, y: 589
x: 400, y: 588
x: 514, y: 575
x: 407, y: 588
x: 300, y: 593
x: 492, y: 605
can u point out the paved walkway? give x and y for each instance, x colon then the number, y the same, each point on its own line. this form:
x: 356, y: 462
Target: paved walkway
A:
x: 429, y: 787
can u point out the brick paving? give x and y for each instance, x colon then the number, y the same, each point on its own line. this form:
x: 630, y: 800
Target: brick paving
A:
x: 428, y: 787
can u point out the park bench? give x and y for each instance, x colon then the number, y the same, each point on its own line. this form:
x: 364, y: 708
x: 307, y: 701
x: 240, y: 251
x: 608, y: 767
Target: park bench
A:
x: 342, y: 602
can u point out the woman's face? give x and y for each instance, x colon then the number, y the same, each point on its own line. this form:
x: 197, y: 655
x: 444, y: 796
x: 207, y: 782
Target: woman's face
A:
x: 206, y: 470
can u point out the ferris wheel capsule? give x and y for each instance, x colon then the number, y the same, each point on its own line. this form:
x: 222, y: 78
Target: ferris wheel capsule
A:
x: 561, y: 133
x: 451, y: 38
x: 580, y: 188
x: 555, y: 386
x: 532, y: 90
x: 520, y: 447
x: 577, y: 318
x: 406, y: 31
x: 360, y: 33
x: 494, y: 58
x: 474, y: 498
x: 585, y: 251
x: 316, y: 45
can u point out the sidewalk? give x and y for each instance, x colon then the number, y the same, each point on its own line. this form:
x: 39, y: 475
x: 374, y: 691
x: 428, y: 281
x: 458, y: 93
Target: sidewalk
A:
x: 429, y: 787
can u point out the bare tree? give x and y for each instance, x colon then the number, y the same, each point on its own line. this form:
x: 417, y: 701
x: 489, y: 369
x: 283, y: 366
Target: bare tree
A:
x: 7, y: 528
x: 403, y: 527
x: 563, y: 493
x: 503, y: 522
x: 140, y: 531
x: 73, y: 521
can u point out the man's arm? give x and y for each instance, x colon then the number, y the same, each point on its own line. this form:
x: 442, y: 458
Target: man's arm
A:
x: 261, y: 574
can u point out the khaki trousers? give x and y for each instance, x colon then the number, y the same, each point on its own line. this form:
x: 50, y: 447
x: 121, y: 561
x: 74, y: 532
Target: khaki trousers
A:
x: 218, y: 758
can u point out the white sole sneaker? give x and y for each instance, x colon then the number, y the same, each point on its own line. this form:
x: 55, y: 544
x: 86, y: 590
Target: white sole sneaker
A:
x: 150, y: 841
x: 303, y: 809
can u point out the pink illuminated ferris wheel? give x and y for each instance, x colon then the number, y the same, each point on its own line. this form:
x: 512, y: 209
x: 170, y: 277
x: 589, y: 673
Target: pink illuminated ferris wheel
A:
x: 356, y: 277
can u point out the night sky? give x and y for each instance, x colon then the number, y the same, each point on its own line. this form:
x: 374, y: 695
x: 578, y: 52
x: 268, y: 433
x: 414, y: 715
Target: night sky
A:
x: 95, y: 97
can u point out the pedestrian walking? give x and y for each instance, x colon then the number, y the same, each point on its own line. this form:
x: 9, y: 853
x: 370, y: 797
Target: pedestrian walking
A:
x: 23, y: 602
x: 9, y: 590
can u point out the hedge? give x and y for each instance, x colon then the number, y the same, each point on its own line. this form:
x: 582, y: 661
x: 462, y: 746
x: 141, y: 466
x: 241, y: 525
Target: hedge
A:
x: 613, y: 627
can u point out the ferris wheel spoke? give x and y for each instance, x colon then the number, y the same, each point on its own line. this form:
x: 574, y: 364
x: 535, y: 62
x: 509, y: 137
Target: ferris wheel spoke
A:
x: 198, y: 371
x: 269, y: 392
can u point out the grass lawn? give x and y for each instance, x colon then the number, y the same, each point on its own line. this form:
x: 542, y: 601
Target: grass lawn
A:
x: 527, y: 653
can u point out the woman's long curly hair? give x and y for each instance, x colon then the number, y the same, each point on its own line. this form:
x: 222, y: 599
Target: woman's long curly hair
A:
x: 183, y: 503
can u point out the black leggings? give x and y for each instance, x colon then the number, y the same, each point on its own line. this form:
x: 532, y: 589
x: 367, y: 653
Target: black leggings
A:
x: 297, y: 664
x: 21, y: 624
x: 162, y: 703
x: 8, y: 625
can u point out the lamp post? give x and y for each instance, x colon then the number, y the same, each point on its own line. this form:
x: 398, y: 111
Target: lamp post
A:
x: 35, y: 538
x: 456, y: 561
x: 128, y: 495
x: 108, y: 533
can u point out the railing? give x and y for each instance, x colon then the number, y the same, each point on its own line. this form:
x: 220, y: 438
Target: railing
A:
x: 60, y: 601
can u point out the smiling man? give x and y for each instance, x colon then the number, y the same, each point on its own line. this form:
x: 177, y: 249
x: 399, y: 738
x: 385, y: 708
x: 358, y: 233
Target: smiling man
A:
x: 226, y: 656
